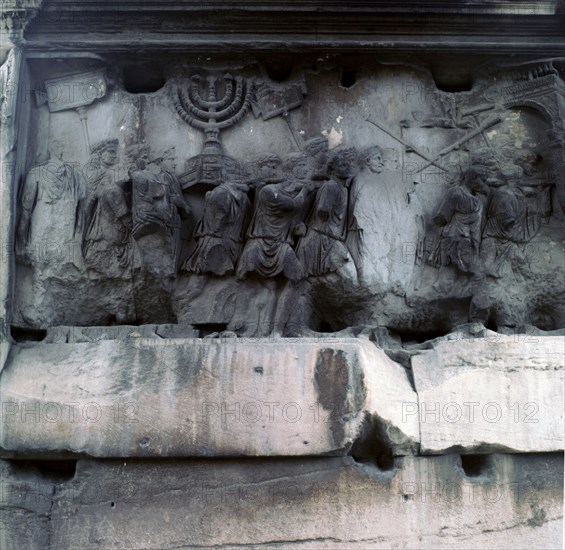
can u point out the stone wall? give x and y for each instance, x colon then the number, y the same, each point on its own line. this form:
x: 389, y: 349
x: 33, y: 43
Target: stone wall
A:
x: 281, y: 274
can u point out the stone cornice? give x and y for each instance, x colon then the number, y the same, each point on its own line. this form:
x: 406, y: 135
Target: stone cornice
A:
x: 221, y: 26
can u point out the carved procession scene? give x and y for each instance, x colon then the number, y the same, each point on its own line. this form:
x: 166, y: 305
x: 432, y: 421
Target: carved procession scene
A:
x: 247, y: 205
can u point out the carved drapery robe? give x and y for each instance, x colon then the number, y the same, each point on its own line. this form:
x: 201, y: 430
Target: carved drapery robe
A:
x: 51, y: 215
x: 460, y: 214
x: 220, y: 232
x: 106, y: 246
x: 268, y: 250
x: 322, y: 249
x: 509, y: 221
x: 152, y: 205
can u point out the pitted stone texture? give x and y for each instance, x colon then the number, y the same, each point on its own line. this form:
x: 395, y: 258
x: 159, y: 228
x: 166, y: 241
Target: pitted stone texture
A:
x: 152, y: 397
x: 491, y: 392
x: 314, y: 503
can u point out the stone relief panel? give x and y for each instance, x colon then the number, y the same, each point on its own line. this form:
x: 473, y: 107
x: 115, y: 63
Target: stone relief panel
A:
x: 244, y: 206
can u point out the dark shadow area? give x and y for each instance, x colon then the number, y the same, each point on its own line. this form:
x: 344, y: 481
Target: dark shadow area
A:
x: 348, y: 78
x: 50, y: 470
x: 143, y: 78
x: 454, y: 78
x: 208, y: 329
x: 279, y: 70
x: 20, y: 334
x: 372, y: 446
x: 475, y: 465
x: 418, y: 336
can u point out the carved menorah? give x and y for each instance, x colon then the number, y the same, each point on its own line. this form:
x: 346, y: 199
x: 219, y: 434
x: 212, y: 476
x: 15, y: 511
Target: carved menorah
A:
x: 213, y: 114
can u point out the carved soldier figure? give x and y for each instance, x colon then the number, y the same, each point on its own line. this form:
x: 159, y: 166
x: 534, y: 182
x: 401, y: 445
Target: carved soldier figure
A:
x: 268, y: 250
x: 106, y: 246
x: 220, y: 232
x: 51, y: 202
x: 460, y: 217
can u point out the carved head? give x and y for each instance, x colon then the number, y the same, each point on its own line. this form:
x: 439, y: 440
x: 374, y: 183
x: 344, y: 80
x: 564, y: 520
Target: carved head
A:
x: 56, y: 149
x: 105, y: 152
x: 137, y: 156
x: 297, y: 166
x: 527, y: 160
x: 372, y: 158
x: 390, y: 159
x: 343, y: 163
x: 167, y: 160
x: 475, y: 180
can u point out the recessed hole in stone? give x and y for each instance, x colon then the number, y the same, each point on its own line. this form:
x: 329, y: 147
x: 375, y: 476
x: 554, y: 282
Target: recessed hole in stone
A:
x: 372, y: 446
x: 348, y: 78
x: 279, y: 71
x: 474, y: 465
x: 452, y: 79
x: 209, y: 329
x: 143, y: 78
x: 50, y: 470
x: 20, y: 334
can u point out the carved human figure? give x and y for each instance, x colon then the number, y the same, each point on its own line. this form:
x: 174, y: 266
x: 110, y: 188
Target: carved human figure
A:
x: 536, y: 191
x: 106, y: 240
x: 344, y: 166
x: 323, y: 250
x: 151, y: 199
x: 268, y: 250
x: 460, y: 217
x: 165, y: 167
x: 506, y: 224
x: 51, y: 210
x: 156, y: 223
x: 220, y: 232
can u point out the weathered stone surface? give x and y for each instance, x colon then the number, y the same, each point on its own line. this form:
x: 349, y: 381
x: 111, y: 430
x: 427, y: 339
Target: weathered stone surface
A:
x: 315, y: 503
x: 193, y: 397
x: 77, y: 335
x: 25, y: 504
x: 393, y: 197
x: 425, y: 502
x: 119, y: 228
x: 490, y: 392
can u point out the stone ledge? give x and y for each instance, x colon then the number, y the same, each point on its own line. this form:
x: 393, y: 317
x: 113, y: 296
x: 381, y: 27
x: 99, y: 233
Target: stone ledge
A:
x: 144, y: 396
x: 494, y: 393
x: 153, y: 397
